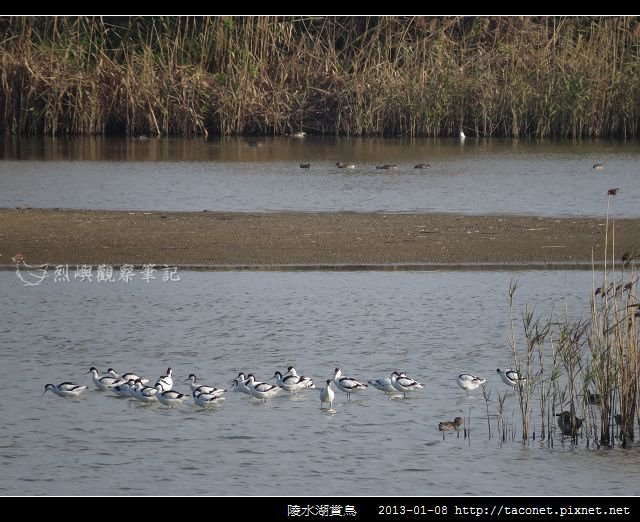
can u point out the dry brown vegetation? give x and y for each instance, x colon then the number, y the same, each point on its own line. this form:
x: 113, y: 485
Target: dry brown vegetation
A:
x: 587, y: 367
x: 429, y: 76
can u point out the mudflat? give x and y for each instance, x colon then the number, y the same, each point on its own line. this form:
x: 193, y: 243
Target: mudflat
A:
x: 304, y: 239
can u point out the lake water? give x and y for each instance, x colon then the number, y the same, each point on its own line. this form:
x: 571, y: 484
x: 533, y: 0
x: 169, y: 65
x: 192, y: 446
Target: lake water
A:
x: 433, y: 325
x: 472, y: 177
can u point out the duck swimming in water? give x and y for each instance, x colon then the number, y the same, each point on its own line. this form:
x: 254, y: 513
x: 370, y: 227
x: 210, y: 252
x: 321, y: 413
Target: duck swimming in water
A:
x: 451, y: 425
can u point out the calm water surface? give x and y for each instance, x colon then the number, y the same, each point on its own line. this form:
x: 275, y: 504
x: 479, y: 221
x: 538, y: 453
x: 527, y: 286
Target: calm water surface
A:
x: 433, y: 325
x: 473, y: 177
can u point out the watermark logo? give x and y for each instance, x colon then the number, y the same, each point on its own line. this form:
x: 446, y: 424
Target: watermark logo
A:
x: 29, y: 275
x: 36, y: 275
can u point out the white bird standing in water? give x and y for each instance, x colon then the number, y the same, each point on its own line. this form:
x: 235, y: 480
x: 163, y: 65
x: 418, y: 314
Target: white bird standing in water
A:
x: 292, y: 383
x: 240, y: 384
x: 202, y: 388
x: 292, y: 371
x: 261, y: 390
x: 123, y: 390
x: 170, y: 397
x: 327, y: 394
x: 347, y: 385
x: 165, y: 381
x: 206, y: 400
x: 384, y: 384
x: 510, y: 377
x: 404, y: 384
x: 462, y: 135
x: 106, y: 381
x: 467, y: 382
x: 127, y: 376
x: 64, y: 389
x: 144, y: 393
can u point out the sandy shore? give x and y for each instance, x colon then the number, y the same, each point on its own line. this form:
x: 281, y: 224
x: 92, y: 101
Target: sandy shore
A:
x: 316, y: 239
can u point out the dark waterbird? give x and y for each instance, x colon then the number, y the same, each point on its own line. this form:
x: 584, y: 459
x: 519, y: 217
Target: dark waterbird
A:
x: 625, y: 431
x: 627, y: 257
x: 451, y: 425
x: 612, y: 191
x: 569, y: 424
x: 614, y: 290
x: 594, y: 398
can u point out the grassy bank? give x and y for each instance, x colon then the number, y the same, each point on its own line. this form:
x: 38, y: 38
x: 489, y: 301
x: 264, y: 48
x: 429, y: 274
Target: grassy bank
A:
x: 510, y: 76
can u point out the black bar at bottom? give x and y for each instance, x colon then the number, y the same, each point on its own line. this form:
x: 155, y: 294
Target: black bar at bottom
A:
x: 347, y: 508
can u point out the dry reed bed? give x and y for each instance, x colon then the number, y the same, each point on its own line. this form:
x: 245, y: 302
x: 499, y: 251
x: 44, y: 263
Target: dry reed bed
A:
x: 492, y: 76
x: 588, y: 367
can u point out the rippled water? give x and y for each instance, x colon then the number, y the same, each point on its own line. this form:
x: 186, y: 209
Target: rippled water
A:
x: 433, y: 325
x: 474, y: 177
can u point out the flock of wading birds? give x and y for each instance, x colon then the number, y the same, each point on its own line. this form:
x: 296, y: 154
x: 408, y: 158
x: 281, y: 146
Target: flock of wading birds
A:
x: 130, y: 385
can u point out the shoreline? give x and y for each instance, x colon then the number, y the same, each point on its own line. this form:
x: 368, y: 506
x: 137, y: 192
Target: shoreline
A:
x: 308, y: 241
x: 396, y: 267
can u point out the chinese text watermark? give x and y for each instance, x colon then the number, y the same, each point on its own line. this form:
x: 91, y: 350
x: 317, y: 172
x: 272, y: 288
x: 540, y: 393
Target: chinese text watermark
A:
x: 102, y: 273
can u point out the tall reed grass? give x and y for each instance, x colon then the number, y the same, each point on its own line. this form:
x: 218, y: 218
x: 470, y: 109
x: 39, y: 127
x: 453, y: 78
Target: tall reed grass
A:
x: 588, y: 367
x: 538, y: 77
